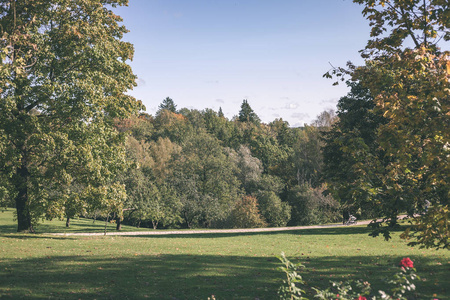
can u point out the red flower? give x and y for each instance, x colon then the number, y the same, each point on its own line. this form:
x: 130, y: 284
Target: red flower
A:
x: 362, y: 298
x: 407, y: 263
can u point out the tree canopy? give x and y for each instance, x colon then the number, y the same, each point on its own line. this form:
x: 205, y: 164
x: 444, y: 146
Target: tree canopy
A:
x: 167, y: 104
x: 63, y: 77
x: 405, y: 159
x: 247, y: 114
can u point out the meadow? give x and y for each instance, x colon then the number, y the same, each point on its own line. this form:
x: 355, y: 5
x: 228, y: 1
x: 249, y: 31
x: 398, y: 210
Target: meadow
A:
x: 229, y: 266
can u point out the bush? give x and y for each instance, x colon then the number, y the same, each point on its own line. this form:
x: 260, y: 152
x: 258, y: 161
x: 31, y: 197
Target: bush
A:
x: 401, y: 283
x: 310, y: 206
x: 246, y: 214
x: 275, y: 212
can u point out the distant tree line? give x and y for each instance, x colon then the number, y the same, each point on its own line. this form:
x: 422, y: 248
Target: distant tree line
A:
x: 191, y: 168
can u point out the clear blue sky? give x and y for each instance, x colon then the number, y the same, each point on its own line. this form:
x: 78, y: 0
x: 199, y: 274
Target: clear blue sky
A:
x: 215, y: 53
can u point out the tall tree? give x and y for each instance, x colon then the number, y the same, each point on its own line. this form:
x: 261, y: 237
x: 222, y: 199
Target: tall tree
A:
x: 63, y: 76
x: 247, y: 114
x: 167, y: 104
x: 205, y: 181
x: 351, y: 152
x: 410, y: 89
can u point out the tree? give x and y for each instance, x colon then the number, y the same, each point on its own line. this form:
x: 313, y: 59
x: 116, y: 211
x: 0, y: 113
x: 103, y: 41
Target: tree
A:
x: 249, y: 168
x: 171, y: 125
x: 246, y: 214
x: 275, y: 212
x: 63, y: 76
x: 167, y: 104
x: 410, y: 88
x: 220, y: 113
x: 311, y: 206
x: 307, y: 156
x: 205, y: 181
x: 246, y: 114
x: 325, y: 119
x: 351, y: 152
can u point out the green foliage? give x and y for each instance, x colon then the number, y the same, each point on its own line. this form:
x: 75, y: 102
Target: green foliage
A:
x: 289, y: 290
x: 63, y: 76
x: 311, y: 206
x: 149, y: 198
x: 171, y: 125
x: 404, y: 157
x: 401, y: 283
x: 249, y: 168
x: 167, y: 104
x: 246, y: 114
x: 351, y: 152
x: 208, y: 161
x: 307, y: 157
x: 424, y: 22
x: 276, y: 212
x: 246, y: 214
x: 204, y: 177
x: 430, y: 230
x: 228, y: 265
x: 348, y: 290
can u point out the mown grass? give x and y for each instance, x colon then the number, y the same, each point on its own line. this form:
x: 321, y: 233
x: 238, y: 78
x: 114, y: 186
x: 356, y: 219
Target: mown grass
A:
x: 8, y: 225
x: 230, y: 266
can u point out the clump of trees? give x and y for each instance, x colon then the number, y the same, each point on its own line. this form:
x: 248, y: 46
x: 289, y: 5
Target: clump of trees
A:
x: 196, y: 168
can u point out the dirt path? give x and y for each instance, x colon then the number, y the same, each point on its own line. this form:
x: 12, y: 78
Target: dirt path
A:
x: 171, y: 232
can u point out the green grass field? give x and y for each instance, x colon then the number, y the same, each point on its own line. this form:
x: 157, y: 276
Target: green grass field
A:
x: 229, y: 266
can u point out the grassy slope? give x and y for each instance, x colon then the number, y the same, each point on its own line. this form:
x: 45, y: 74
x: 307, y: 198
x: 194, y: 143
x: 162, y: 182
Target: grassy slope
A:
x: 230, y: 266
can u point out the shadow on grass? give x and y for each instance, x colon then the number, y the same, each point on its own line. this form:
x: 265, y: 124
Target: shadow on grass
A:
x: 192, y: 276
x: 314, y: 231
x: 83, y: 226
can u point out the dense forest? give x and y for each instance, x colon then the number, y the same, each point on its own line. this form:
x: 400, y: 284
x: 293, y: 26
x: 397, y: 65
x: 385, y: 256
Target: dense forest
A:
x: 191, y: 168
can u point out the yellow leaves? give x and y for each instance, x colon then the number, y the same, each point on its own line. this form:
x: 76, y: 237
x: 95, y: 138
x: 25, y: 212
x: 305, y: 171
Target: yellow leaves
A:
x: 76, y: 32
x: 431, y: 229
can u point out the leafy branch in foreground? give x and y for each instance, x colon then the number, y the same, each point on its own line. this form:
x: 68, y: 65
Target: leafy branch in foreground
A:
x: 289, y: 289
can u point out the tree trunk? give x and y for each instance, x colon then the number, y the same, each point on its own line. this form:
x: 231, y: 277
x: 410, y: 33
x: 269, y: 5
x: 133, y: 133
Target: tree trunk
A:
x: 155, y: 224
x: 106, y: 223
x: 68, y: 222
x: 118, y: 224
x: 23, y: 211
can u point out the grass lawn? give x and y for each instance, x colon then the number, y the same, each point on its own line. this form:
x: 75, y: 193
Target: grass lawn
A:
x: 229, y: 266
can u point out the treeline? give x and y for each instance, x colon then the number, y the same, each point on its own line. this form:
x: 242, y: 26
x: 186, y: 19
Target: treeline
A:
x: 191, y: 168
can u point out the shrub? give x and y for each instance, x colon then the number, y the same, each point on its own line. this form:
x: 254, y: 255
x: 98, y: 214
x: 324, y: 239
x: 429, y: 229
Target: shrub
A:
x: 275, y: 212
x: 401, y: 283
x: 310, y: 206
x: 246, y: 214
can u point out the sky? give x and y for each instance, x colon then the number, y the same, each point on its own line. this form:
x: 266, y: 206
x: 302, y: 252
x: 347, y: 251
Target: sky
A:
x: 216, y: 53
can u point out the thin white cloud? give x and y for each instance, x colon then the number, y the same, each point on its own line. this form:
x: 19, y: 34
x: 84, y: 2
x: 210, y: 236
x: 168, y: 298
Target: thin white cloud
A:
x: 291, y: 105
x: 328, y: 101
x: 141, y: 82
x: 220, y: 101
